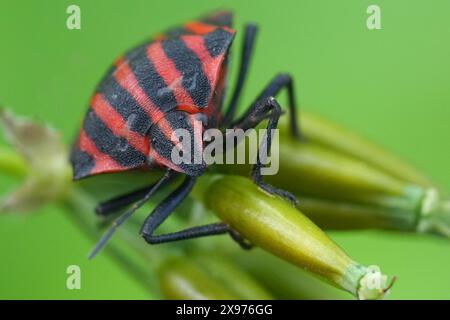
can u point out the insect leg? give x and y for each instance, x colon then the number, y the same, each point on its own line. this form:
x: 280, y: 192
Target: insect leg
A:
x: 267, y: 108
x: 166, y: 207
x: 115, y: 204
x: 240, y: 239
x: 283, y: 80
x: 127, y: 214
x: 246, y: 55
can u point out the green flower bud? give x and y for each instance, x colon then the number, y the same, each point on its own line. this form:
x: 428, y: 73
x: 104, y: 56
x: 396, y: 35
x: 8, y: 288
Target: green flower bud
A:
x: 181, y: 279
x: 232, y: 277
x: 275, y: 226
x: 432, y: 217
x: 345, y: 215
x: 332, y: 136
x: 346, y: 192
x: 312, y: 170
x: 285, y: 280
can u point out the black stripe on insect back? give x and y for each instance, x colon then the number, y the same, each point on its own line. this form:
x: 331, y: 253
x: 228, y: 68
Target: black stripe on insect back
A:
x: 117, y: 148
x: 82, y: 162
x: 218, y: 41
x: 151, y: 82
x: 189, y: 65
x: 137, y: 119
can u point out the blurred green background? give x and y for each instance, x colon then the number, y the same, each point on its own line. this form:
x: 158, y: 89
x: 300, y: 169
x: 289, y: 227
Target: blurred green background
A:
x: 391, y: 85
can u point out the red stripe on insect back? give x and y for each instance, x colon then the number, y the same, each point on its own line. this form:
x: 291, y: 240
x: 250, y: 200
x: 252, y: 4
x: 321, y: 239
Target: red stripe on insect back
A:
x: 103, y: 162
x: 117, y: 124
x: 126, y: 78
x: 169, y: 72
x: 199, y: 28
x: 209, y: 64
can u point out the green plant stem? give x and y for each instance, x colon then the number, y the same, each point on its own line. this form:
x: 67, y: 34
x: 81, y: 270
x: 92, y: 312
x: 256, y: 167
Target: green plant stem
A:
x: 78, y: 207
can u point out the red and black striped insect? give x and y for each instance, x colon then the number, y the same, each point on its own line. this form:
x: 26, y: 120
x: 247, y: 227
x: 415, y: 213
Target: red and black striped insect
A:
x: 177, y: 80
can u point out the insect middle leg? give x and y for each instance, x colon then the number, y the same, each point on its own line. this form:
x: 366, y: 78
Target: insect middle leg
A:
x: 127, y: 214
x: 115, y: 204
x: 167, y: 206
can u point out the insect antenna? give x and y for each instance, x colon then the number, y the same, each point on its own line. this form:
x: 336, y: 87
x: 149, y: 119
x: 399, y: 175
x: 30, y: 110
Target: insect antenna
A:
x: 127, y: 214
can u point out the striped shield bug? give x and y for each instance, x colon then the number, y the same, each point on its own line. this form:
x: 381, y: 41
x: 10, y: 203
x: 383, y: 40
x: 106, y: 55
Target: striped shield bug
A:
x: 176, y: 80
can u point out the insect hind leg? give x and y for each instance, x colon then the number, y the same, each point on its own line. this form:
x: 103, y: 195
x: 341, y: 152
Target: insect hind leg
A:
x: 166, y: 208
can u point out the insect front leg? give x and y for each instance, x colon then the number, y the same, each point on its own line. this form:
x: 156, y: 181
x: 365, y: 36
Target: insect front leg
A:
x: 264, y: 109
x: 282, y: 80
